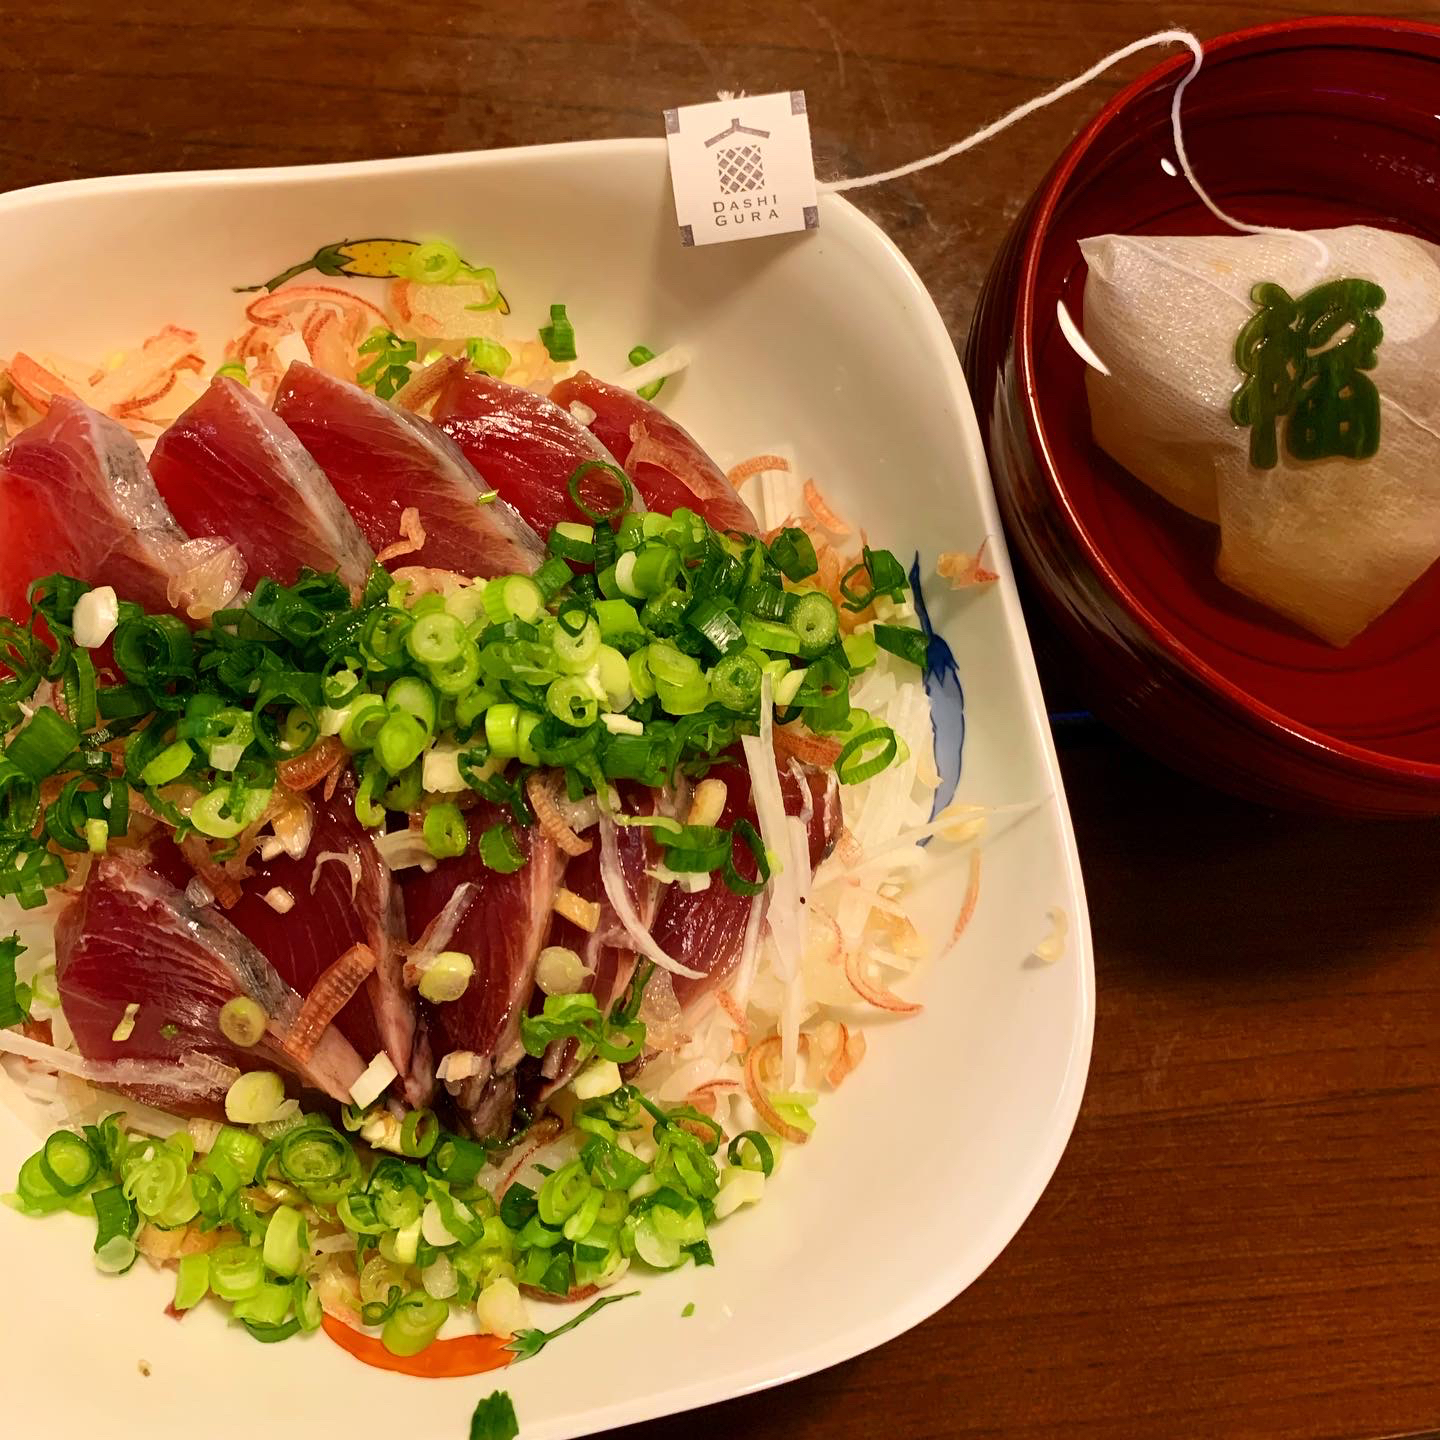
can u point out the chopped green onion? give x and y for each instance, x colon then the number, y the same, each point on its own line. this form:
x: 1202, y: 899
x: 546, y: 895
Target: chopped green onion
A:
x: 409, y: 696
x: 285, y: 1243
x: 170, y: 764
x: 42, y: 745
x: 435, y: 639
x: 456, y: 1160
x: 642, y: 355
x: 882, y: 575
x: 414, y: 1323
x: 627, y: 490
x: 391, y: 367
x: 68, y: 1163
x: 748, y: 836
x: 513, y: 597
x: 770, y: 636
x: 237, y: 1272
x: 571, y: 701
x: 793, y: 551
x: 434, y: 263
x: 192, y: 1282
x: 694, y: 849
x: 243, y: 1021
x: 116, y: 1220
x: 576, y: 653
x: 855, y: 763
x: 401, y: 739
x: 447, y: 976
x: 558, y: 337
x: 488, y: 356
x: 713, y: 619
x: 155, y: 1184
x: 254, y: 1097
x: 501, y: 851
x: 860, y: 652
x: 815, y: 620
x: 502, y: 730
x: 764, y: 1155
x: 445, y: 831
x: 906, y: 641
x: 363, y: 719
x: 572, y: 542
x: 12, y: 1010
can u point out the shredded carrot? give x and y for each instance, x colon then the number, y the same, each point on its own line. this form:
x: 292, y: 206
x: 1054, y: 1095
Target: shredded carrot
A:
x: 822, y: 510
x: 874, y: 993
x: 37, y: 384
x: 852, y: 1052
x: 542, y: 790
x: 963, y: 570
x: 737, y: 475
x: 316, y: 764
x: 427, y: 383
x: 329, y: 995
x: 812, y: 749
x: 755, y: 1063
x: 729, y: 1005
x: 414, y: 537
x: 967, y: 906
x: 224, y: 885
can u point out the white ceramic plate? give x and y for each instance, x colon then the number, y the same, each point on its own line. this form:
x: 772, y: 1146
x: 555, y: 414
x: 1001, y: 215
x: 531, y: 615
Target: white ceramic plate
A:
x: 929, y: 1159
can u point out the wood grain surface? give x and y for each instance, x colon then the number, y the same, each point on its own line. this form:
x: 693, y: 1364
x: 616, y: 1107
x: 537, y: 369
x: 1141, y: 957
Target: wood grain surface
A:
x: 1244, y: 1236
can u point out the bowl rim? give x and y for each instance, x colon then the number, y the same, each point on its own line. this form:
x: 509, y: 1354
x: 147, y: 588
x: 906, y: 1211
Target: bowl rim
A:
x: 1341, y: 29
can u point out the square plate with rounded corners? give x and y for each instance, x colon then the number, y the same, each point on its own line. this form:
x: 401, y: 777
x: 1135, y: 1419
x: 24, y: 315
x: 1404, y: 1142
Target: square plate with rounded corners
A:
x: 929, y: 1159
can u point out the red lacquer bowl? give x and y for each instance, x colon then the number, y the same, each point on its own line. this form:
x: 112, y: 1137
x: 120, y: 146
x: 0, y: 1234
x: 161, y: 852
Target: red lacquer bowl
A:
x: 1311, y: 123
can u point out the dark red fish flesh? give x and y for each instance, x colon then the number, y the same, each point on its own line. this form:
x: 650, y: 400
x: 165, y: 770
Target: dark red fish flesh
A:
x: 131, y: 937
x: 76, y: 497
x: 524, y: 445
x: 664, y: 460
x: 382, y: 460
x: 230, y: 466
x: 502, y: 926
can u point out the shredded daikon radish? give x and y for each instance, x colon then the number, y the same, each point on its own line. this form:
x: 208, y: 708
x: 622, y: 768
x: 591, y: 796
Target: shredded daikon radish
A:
x: 666, y: 363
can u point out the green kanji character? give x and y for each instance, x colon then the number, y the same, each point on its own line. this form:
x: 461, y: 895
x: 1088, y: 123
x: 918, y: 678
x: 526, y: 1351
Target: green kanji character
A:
x: 1271, y: 354
x: 1337, y: 411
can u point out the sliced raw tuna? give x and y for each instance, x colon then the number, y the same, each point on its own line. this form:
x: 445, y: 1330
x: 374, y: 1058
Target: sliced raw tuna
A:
x: 75, y: 497
x: 230, y: 466
x: 501, y: 922
x: 131, y: 937
x: 664, y: 460
x: 524, y: 445
x: 705, y: 931
x: 343, y: 895
x: 607, y: 951
x: 383, y: 460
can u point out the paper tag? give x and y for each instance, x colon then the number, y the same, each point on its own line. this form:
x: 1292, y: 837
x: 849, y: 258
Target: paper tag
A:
x: 742, y: 168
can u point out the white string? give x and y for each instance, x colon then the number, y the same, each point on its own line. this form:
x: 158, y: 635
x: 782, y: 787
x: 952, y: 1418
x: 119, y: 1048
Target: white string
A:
x: 1162, y: 37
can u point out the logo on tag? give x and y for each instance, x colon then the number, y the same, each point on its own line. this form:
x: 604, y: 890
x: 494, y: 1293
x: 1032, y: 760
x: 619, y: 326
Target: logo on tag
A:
x: 742, y: 167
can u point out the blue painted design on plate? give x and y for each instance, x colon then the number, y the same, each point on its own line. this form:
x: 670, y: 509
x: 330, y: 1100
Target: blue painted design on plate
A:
x: 947, y: 700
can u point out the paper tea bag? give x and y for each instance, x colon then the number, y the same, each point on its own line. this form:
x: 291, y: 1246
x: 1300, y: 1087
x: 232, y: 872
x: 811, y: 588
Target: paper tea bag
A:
x: 1324, y: 477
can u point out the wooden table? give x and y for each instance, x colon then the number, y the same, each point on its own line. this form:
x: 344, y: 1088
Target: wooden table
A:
x: 1244, y: 1236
